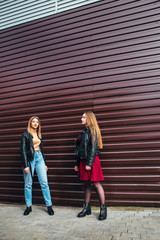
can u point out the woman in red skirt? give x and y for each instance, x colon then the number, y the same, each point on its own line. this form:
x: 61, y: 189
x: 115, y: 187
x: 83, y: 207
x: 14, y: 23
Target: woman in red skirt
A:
x: 88, y: 164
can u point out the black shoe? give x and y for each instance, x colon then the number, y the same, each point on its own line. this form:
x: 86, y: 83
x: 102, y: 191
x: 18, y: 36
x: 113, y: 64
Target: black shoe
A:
x: 50, y: 210
x: 28, y: 210
x: 103, y: 212
x: 86, y: 210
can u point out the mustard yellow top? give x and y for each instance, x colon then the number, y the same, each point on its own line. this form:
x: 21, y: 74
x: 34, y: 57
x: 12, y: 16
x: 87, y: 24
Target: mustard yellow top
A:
x: 36, y: 143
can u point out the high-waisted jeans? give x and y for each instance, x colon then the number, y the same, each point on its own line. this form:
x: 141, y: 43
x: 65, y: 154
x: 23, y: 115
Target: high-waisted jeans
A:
x: 39, y: 165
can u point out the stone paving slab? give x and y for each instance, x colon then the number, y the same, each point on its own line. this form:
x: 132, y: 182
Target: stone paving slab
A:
x: 121, y: 224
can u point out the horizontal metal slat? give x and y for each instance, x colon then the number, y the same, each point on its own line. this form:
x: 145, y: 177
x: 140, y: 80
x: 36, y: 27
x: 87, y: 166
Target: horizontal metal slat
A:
x: 32, y: 10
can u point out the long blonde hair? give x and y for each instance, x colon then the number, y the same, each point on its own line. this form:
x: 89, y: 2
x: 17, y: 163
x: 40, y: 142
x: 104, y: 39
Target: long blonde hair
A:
x: 39, y: 126
x: 94, y: 128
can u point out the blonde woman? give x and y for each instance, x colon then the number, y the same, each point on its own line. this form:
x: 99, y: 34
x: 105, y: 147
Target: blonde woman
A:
x: 33, y: 159
x: 88, y: 164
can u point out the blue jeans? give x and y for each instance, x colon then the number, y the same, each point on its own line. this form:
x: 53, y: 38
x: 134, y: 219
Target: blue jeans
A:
x: 39, y: 165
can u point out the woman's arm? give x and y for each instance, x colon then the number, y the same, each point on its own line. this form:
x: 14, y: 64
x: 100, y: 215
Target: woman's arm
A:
x: 92, y: 150
x: 24, y: 151
x: 43, y: 153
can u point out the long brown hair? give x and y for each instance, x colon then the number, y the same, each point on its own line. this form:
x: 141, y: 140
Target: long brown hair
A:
x: 94, y: 128
x: 39, y: 126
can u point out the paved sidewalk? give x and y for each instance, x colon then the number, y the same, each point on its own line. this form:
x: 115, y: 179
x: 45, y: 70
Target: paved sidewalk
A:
x: 121, y: 224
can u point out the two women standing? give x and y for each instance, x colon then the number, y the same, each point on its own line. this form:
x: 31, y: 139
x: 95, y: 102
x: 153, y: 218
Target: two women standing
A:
x: 87, y: 163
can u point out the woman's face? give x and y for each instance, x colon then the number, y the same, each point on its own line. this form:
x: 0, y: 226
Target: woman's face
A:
x: 35, y: 123
x: 83, y: 119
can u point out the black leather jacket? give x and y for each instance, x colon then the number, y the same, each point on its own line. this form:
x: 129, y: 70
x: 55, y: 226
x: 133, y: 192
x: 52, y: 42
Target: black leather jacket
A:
x: 27, y: 149
x: 85, y: 149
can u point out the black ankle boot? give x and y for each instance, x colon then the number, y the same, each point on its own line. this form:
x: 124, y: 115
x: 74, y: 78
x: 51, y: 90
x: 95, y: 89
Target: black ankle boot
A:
x: 86, y: 210
x: 50, y: 210
x: 103, y: 212
x: 28, y: 210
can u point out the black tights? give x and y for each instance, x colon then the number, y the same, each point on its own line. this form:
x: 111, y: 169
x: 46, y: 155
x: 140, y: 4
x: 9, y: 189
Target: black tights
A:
x: 99, y: 190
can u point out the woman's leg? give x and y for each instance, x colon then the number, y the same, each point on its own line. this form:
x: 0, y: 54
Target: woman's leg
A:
x: 87, y: 192
x: 100, y: 192
x: 28, y: 187
x: 42, y: 177
x: 101, y: 195
x: 28, y: 184
x: 87, y: 196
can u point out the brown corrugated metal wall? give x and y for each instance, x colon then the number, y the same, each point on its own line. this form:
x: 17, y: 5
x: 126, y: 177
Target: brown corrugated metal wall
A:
x: 102, y: 57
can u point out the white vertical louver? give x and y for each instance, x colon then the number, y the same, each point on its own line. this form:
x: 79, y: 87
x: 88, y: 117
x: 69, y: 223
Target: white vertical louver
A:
x: 21, y: 11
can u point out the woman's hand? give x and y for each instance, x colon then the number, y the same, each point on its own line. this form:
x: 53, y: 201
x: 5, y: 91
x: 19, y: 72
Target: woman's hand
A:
x: 46, y: 168
x: 88, y: 168
x: 76, y: 168
x: 26, y: 170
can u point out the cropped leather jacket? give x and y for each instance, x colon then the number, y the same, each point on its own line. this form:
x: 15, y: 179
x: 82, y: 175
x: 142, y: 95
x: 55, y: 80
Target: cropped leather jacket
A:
x: 27, y: 149
x: 85, y: 148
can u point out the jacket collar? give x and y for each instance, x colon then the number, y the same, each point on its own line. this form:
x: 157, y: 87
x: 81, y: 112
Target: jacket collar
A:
x: 29, y: 134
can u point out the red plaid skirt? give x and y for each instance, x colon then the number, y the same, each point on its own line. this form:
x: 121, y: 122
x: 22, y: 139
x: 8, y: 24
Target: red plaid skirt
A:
x: 94, y: 175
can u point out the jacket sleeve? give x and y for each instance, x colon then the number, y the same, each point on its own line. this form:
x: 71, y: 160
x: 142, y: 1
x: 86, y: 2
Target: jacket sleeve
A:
x: 92, y: 151
x: 77, y: 163
x: 24, y: 151
x: 76, y: 158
